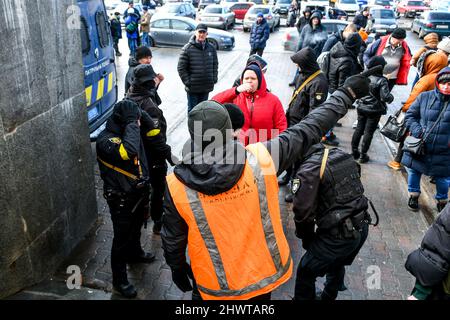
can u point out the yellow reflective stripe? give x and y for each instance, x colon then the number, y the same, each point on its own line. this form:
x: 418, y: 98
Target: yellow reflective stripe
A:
x: 153, y: 132
x: 110, y: 82
x: 100, y: 88
x: 123, y: 153
x: 88, y: 92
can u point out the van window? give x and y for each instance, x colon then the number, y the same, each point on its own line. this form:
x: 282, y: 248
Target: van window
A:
x: 102, y: 25
x: 85, y: 41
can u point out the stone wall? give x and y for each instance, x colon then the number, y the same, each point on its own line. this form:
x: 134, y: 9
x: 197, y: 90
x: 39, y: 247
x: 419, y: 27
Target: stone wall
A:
x: 47, y: 197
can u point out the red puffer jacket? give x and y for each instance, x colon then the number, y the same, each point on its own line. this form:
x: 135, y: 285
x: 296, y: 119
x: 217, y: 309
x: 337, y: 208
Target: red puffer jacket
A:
x: 263, y: 111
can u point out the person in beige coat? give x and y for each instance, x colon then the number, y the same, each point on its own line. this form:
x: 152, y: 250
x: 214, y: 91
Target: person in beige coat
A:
x: 145, y: 27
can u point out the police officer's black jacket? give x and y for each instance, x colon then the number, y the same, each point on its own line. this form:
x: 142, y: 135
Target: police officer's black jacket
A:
x: 339, y: 190
x: 375, y: 103
x: 121, y: 146
x: 313, y: 94
x: 198, y: 66
x: 220, y: 177
x: 155, y: 139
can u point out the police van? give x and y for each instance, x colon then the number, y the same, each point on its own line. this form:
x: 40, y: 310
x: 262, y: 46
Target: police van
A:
x: 100, y: 77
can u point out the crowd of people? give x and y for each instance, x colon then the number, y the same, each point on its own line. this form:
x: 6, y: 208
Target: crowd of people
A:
x: 221, y: 201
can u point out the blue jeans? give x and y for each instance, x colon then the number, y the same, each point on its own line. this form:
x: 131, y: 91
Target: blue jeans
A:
x: 132, y: 44
x: 146, y: 39
x: 195, y: 98
x: 414, y: 184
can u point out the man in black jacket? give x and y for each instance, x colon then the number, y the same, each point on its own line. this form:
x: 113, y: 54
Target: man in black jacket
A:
x: 310, y: 92
x: 157, y: 150
x: 124, y: 170
x: 198, y: 67
x: 361, y: 19
x: 328, y: 193
x: 221, y: 175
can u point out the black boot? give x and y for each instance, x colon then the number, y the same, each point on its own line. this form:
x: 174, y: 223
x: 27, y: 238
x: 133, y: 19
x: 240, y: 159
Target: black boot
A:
x: 356, y: 154
x: 413, y: 203
x: 364, y: 158
x: 126, y: 290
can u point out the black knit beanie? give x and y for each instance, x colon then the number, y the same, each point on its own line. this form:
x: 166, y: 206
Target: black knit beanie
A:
x: 257, y: 70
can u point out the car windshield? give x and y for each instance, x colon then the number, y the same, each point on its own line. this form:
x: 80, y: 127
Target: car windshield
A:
x: 259, y: 10
x: 383, y: 2
x: 348, y: 1
x: 439, y: 16
x: 284, y: 1
x: 171, y: 8
x: 213, y: 10
x: 383, y: 14
x: 415, y: 3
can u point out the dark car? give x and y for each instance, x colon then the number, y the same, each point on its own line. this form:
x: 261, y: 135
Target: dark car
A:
x: 282, y: 7
x: 384, y: 21
x: 432, y: 21
x: 180, y: 9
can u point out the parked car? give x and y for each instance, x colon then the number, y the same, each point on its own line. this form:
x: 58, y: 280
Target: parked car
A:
x: 217, y: 16
x: 385, y: 20
x: 172, y: 31
x: 204, y: 3
x: 291, y: 35
x: 282, y: 7
x: 273, y: 19
x: 384, y: 3
x: 261, y: 2
x: 411, y: 8
x: 440, y: 5
x: 179, y: 9
x: 432, y: 21
x: 349, y: 6
x: 240, y: 9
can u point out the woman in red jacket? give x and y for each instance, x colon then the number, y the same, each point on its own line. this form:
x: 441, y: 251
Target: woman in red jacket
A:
x: 263, y: 111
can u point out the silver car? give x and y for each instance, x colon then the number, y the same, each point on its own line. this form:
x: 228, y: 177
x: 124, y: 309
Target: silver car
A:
x: 273, y: 19
x: 291, y: 35
x: 217, y: 16
x: 171, y: 31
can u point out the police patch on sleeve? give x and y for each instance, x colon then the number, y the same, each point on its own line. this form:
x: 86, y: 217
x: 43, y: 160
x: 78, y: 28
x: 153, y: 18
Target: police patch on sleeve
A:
x: 116, y: 140
x: 295, y: 185
x: 319, y: 96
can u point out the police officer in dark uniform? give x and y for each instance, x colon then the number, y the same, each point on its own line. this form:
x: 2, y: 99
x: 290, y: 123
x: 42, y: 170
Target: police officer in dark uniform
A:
x: 328, y: 193
x: 124, y: 170
x: 143, y: 92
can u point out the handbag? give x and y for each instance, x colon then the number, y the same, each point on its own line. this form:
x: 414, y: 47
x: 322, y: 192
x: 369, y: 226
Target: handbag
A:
x: 415, y: 145
x: 394, y: 129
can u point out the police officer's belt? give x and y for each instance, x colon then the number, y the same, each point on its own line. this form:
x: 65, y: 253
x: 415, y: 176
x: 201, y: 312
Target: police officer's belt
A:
x: 126, y: 173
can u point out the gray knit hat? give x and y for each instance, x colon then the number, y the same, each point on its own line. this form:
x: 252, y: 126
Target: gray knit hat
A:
x: 444, y: 45
x: 205, y: 116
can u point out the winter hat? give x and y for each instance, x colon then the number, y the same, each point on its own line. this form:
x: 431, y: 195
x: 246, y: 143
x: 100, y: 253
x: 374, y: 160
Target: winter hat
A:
x: 236, y: 115
x: 353, y: 43
x: 307, y: 10
x: 143, y: 73
x: 143, y: 52
x: 444, y: 45
x: 443, y: 76
x: 306, y: 60
x: 124, y: 111
x: 260, y: 15
x: 431, y: 39
x: 257, y: 70
x: 208, y: 115
x: 377, y: 61
x: 399, y: 33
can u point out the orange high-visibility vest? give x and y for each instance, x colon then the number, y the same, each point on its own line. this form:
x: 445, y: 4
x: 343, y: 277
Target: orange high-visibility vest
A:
x: 236, y: 242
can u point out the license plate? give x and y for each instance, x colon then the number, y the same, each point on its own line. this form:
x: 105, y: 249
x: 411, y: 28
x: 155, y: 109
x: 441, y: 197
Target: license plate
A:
x: 442, y: 27
x: 381, y: 30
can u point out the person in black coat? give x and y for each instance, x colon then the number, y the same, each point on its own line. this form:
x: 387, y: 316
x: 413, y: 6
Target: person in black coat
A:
x: 116, y: 32
x: 143, y: 92
x: 198, y: 67
x: 339, y: 36
x: 304, y: 20
x: 311, y: 91
x: 430, y: 264
x: 370, y: 109
x: 361, y: 19
x: 124, y: 169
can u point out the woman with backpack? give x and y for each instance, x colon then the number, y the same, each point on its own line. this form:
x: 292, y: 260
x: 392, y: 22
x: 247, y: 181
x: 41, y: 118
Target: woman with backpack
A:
x: 370, y: 109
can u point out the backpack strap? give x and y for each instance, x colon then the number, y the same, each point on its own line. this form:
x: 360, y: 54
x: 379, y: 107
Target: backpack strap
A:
x: 324, y: 162
x: 303, y: 85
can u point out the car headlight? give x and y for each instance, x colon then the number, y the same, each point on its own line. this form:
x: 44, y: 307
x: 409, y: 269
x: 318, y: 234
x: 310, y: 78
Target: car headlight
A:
x: 392, y: 26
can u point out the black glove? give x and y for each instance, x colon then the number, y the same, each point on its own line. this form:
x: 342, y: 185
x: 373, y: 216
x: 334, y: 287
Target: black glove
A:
x: 357, y: 86
x: 173, y: 160
x: 180, y: 277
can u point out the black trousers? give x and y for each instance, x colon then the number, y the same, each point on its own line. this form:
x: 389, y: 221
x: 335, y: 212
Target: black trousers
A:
x: 158, y: 182
x: 327, y: 255
x: 366, y: 128
x: 258, y: 51
x: 116, y: 44
x: 391, y: 83
x: 127, y: 226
